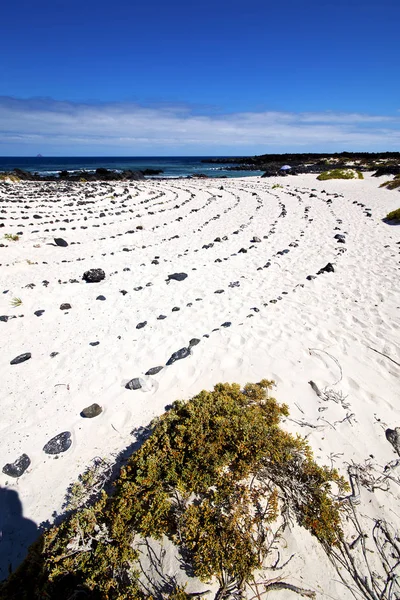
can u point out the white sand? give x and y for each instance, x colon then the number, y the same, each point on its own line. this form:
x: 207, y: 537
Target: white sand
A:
x: 321, y: 330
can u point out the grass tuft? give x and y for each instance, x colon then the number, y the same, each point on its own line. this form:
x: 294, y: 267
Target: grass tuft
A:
x: 15, y: 302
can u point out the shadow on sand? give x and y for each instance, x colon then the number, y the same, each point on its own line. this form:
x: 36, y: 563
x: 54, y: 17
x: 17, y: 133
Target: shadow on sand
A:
x: 16, y: 532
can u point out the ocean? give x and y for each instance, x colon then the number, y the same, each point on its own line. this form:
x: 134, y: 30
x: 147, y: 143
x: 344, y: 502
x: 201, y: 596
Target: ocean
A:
x: 172, y: 166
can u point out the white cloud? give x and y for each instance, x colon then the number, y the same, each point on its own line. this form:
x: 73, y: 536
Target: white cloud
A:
x: 46, y: 124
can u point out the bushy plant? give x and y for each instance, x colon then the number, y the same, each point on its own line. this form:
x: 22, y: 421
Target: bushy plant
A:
x: 213, y: 476
x: 392, y: 184
x: 394, y: 215
x: 340, y: 174
x: 11, y: 237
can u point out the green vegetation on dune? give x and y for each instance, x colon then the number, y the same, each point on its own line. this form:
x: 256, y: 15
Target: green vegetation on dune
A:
x: 392, y: 184
x: 214, y: 476
x: 340, y: 174
x: 394, y: 215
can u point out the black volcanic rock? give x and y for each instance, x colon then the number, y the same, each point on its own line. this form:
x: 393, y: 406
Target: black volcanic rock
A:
x: 21, y: 358
x: 327, y: 269
x: 94, y: 410
x: 179, y: 355
x: 61, y: 242
x: 59, y: 443
x: 393, y: 436
x: 134, y: 384
x: 94, y: 275
x: 154, y: 370
x: 18, y: 467
x: 177, y: 277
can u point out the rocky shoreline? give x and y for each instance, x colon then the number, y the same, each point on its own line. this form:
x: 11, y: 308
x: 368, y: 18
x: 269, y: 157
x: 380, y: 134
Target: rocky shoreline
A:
x: 100, y: 174
x: 385, y: 163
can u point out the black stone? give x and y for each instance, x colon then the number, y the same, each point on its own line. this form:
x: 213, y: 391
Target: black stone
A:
x: 182, y: 353
x: 94, y: 343
x: 91, y: 411
x: 226, y: 324
x: 38, y: 313
x: 175, y: 309
x: 133, y: 384
x: 141, y: 325
x: 327, y: 269
x: 177, y: 276
x: 18, y: 467
x: 194, y: 342
x: 393, y: 436
x: 59, y: 443
x: 65, y: 306
x: 100, y: 298
x: 53, y: 354
x: 61, y: 242
x: 4, y: 318
x: 161, y: 317
x: 21, y: 358
x: 154, y: 370
x: 94, y: 275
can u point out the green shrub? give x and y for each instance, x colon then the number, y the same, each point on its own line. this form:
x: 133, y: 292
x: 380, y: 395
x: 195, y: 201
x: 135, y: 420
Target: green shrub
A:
x: 213, y: 476
x: 340, y: 174
x: 11, y: 237
x: 394, y: 215
x: 392, y: 184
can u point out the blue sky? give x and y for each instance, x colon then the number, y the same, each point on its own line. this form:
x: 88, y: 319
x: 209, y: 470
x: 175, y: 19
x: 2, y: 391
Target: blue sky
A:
x: 172, y: 77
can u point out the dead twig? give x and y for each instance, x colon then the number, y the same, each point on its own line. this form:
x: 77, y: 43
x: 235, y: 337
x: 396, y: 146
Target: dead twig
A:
x: 385, y: 355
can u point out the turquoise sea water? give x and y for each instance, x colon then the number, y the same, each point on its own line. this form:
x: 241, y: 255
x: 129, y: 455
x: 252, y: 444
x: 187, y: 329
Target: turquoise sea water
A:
x: 173, y: 166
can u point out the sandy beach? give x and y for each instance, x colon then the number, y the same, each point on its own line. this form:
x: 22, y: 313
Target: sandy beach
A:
x: 287, y: 278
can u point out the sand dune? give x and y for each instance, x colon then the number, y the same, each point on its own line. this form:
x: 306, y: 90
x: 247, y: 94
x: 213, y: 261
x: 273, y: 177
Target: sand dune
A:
x: 252, y: 304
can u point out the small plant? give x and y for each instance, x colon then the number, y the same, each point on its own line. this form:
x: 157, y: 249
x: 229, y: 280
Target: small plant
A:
x: 15, y: 302
x: 392, y: 184
x: 9, y: 178
x: 340, y: 174
x: 394, y: 215
x: 11, y: 237
x: 277, y: 185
